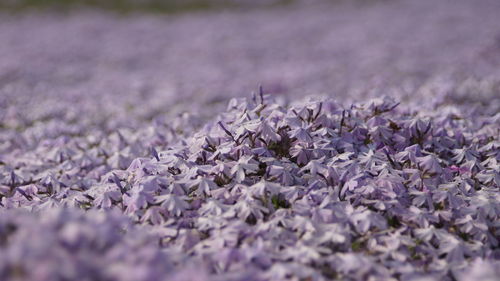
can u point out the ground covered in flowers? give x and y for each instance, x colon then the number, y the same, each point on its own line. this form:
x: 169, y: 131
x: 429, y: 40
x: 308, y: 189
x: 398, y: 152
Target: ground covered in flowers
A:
x: 111, y: 170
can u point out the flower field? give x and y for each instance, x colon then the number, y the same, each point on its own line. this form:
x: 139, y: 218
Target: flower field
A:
x: 311, y: 141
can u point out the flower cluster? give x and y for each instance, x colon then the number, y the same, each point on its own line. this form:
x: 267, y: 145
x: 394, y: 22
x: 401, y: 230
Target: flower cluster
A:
x: 312, y: 190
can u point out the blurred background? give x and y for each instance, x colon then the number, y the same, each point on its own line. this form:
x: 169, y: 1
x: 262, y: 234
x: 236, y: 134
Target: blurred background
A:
x: 159, y: 6
x: 120, y: 62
